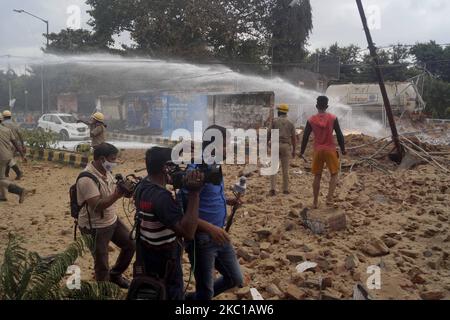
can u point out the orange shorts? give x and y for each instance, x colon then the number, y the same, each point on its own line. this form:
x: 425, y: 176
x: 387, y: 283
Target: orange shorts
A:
x: 331, y: 158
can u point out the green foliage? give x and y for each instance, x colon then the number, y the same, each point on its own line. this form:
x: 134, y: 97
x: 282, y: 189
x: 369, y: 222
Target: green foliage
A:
x: 230, y: 30
x: 84, y: 148
x: 437, y: 96
x: 39, y: 139
x: 26, y: 276
x: 70, y: 41
x: 397, y: 65
x: 291, y: 25
x: 435, y: 58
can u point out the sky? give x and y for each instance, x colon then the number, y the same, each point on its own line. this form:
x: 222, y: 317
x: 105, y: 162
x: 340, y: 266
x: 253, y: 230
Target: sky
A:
x: 392, y: 21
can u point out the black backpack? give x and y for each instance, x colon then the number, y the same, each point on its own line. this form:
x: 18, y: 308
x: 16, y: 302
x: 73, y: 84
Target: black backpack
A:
x: 74, y: 207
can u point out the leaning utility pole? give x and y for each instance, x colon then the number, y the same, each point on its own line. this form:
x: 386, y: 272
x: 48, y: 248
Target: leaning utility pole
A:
x: 387, y: 104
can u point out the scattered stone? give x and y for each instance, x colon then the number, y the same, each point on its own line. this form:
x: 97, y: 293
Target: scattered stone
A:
x: 375, y: 248
x: 418, y: 279
x: 295, y: 256
x: 306, y: 266
x: 323, y: 264
x: 293, y: 214
x: 241, y: 252
x: 327, y: 283
x: 265, y: 246
x: 227, y: 296
x: 250, y: 243
x: 243, y: 293
x: 331, y: 294
x: 264, y: 255
x: 66, y: 232
x: 410, y: 253
x: 295, y: 293
x: 432, y: 295
x: 324, y: 221
x: 263, y: 233
x: 356, y: 276
x: 256, y: 251
x: 427, y: 254
x: 390, y: 242
x: 430, y: 233
x: 289, y: 226
x: 351, y: 262
x: 269, y: 265
x: 274, y: 290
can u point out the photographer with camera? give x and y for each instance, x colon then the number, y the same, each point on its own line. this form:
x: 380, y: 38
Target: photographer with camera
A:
x: 97, y: 194
x: 162, y: 224
x: 212, y: 248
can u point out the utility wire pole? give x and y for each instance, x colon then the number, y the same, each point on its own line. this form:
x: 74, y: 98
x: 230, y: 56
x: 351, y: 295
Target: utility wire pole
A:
x: 42, y: 66
x: 387, y: 104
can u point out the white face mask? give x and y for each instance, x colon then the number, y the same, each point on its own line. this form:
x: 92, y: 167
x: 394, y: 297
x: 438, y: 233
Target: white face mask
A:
x: 109, y: 166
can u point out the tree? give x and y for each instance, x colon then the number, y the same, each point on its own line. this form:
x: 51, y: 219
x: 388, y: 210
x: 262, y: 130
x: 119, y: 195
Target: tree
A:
x: 437, y: 97
x: 70, y: 41
x: 434, y: 57
x: 227, y: 30
x: 290, y: 25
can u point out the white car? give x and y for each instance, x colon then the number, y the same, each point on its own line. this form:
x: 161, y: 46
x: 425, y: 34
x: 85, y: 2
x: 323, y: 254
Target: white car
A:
x: 66, y: 125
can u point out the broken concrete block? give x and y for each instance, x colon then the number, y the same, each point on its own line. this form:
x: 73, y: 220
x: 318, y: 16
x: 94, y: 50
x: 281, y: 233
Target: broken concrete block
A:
x: 269, y: 265
x: 295, y: 293
x: 243, y: 293
x: 273, y: 290
x: 432, y: 295
x: 263, y: 233
x: 242, y: 253
x: 351, y: 262
x: 250, y: 243
x: 295, y: 256
x: 331, y: 294
x: 375, y: 248
x: 324, y: 221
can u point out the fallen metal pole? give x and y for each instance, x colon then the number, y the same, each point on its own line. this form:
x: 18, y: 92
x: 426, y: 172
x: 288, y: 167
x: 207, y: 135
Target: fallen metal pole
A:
x: 387, y: 104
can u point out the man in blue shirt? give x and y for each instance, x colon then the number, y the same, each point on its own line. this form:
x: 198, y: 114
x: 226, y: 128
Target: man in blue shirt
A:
x: 212, y: 248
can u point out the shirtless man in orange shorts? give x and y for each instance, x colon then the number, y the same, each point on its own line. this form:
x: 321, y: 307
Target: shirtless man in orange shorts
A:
x: 322, y: 126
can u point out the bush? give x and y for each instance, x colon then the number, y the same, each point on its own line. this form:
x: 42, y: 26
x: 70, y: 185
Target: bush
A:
x: 40, y: 139
x: 25, y: 275
x: 84, y: 148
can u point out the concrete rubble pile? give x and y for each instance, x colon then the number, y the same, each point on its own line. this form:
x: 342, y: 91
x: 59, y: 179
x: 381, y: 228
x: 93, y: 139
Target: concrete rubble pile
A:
x: 397, y: 222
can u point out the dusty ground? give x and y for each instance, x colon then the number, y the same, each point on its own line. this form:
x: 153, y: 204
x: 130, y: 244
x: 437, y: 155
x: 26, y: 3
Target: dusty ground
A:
x: 407, y: 211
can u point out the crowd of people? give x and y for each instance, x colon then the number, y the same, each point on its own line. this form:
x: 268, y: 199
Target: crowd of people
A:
x: 191, y: 219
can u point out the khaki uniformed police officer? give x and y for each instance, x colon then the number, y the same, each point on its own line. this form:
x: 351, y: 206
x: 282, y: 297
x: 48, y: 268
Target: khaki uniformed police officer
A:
x: 98, y: 129
x: 288, y: 142
x: 9, y: 123
x: 6, y: 154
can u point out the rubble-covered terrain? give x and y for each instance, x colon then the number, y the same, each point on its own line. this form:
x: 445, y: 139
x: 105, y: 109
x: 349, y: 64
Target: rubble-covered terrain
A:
x: 397, y: 220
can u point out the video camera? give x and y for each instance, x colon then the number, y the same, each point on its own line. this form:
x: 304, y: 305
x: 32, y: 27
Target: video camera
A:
x: 213, y: 174
x: 127, y: 186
